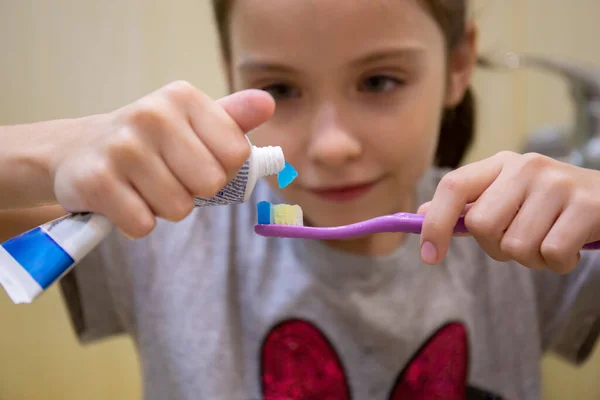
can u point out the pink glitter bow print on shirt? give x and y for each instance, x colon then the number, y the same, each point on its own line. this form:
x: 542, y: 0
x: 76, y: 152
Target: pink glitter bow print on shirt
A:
x: 299, y: 363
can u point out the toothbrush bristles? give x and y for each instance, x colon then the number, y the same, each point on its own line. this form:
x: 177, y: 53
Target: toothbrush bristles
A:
x: 286, y: 214
x: 279, y: 214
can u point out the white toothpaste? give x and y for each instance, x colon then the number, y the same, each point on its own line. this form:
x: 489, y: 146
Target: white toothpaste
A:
x: 31, y: 262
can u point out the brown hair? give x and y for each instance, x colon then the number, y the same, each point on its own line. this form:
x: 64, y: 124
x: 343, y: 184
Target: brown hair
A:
x: 458, y: 124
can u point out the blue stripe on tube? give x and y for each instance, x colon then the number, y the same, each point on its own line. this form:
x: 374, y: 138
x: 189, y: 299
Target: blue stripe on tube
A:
x: 39, y: 255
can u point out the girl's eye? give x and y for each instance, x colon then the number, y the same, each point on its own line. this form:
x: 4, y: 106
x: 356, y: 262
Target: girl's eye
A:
x: 281, y: 91
x: 379, y: 84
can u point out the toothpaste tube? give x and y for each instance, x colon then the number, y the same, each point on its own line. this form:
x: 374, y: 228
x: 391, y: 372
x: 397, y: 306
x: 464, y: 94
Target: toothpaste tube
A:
x: 31, y: 262
x: 263, y: 161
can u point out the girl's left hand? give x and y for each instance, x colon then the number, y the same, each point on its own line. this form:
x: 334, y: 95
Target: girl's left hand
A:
x: 528, y: 208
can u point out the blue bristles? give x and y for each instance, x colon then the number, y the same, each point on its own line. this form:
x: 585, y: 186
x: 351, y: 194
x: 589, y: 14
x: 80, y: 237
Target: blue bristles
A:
x: 264, y: 212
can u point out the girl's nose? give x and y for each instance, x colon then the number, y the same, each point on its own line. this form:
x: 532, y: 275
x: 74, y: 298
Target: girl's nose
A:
x: 332, y: 142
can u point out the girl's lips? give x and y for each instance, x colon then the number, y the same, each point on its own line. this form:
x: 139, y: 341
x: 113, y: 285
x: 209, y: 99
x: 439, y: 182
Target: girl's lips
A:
x: 344, y: 193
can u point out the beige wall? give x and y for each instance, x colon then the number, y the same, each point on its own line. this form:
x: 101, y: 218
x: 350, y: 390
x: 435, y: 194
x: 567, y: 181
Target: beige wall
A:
x: 69, y: 58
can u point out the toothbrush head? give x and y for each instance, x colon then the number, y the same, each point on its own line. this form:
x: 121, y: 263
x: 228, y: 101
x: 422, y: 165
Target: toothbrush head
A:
x: 279, y: 214
x: 286, y: 221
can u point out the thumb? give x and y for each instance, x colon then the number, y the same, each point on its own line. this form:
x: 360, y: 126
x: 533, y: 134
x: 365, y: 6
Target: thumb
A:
x: 248, y: 108
x: 425, y: 207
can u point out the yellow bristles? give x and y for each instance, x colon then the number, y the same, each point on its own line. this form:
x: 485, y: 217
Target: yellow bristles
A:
x: 286, y: 214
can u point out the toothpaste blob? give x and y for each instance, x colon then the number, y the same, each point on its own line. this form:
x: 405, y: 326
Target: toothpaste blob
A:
x: 31, y: 262
x: 286, y: 176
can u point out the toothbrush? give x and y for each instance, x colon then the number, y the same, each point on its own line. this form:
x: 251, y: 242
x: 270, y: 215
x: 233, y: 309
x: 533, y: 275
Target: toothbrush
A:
x: 285, y: 221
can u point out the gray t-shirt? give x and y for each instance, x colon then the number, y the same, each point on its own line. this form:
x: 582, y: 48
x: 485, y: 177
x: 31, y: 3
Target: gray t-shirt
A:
x: 218, y: 312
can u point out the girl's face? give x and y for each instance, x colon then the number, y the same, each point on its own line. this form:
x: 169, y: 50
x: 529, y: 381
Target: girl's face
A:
x: 360, y: 88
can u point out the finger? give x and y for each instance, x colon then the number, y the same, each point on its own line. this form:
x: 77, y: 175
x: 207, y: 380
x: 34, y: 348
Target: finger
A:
x: 425, y: 207
x: 491, y: 215
x: 571, y: 231
x: 192, y: 162
x: 523, y: 239
x: 160, y: 189
x: 96, y: 186
x: 124, y: 207
x: 221, y: 125
x: 249, y: 108
x: 455, y: 191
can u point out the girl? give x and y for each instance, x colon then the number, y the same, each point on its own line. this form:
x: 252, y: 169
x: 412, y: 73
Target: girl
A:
x: 370, y: 94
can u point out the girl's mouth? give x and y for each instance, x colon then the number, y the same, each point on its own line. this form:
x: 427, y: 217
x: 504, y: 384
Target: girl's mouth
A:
x: 345, y: 193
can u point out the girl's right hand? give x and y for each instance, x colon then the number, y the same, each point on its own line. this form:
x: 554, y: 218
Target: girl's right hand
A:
x: 151, y: 158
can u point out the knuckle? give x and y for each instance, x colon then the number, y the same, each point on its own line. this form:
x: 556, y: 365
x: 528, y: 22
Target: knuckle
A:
x: 101, y: 176
x: 480, y: 224
x: 555, y: 253
x: 212, y: 184
x: 143, y: 225
x: 506, y: 154
x: 558, y: 181
x: 149, y: 115
x: 126, y: 146
x: 94, y: 184
x: 180, y: 91
x: 534, y: 161
x: 217, y: 182
x: 515, y: 248
x: 237, y: 154
x: 181, y: 208
x: 586, y: 201
x: 452, y: 182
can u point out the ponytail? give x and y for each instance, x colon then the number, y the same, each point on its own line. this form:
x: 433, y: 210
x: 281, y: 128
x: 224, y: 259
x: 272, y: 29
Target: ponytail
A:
x: 457, y: 133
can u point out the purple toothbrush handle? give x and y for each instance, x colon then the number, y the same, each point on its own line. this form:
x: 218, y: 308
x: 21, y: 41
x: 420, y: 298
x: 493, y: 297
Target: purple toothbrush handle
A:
x: 401, y: 222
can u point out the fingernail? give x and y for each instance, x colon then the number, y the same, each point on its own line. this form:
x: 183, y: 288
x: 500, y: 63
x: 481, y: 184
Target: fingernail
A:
x: 429, y: 253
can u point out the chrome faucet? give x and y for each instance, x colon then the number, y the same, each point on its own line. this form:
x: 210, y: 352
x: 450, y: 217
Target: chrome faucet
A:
x: 580, y: 144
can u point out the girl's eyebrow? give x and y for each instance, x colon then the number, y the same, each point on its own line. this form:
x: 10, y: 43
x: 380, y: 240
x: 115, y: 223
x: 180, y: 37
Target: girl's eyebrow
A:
x: 255, y: 64
x: 249, y: 64
x: 407, y: 52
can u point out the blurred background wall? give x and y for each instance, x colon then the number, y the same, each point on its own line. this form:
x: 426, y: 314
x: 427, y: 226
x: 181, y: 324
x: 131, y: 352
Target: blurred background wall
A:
x: 65, y: 58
